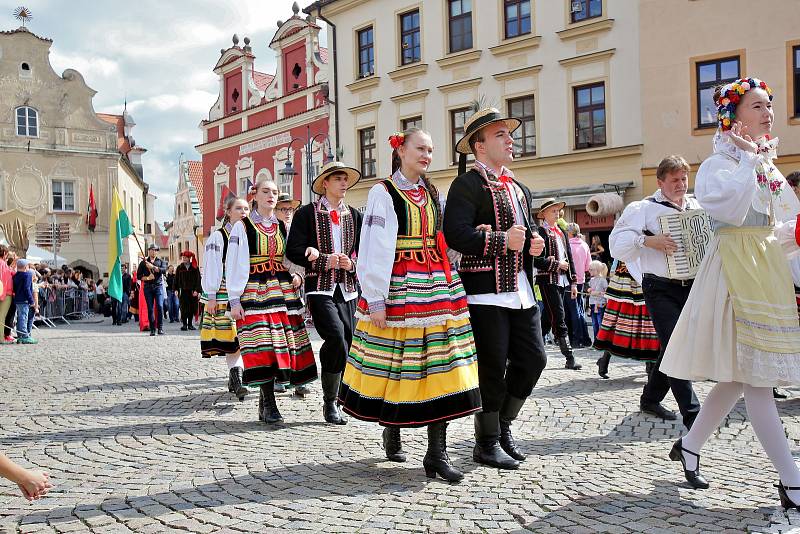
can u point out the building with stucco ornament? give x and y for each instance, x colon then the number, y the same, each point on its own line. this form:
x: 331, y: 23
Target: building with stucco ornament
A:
x: 54, y: 147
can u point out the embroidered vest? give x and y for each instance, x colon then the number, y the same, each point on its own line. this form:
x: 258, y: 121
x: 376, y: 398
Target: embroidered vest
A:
x: 328, y: 278
x: 266, y: 247
x: 416, y: 225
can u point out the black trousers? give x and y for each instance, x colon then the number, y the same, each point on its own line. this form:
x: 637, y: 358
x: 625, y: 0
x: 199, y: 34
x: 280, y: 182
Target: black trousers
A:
x: 553, y: 299
x: 188, y: 305
x: 510, y: 349
x: 665, y: 301
x: 8, y: 320
x: 335, y: 321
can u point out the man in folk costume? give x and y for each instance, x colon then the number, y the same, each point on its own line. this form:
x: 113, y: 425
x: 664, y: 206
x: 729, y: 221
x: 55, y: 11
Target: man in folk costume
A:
x: 188, y: 287
x: 324, y: 240
x: 488, y: 220
x: 150, y: 271
x: 637, y: 237
x: 556, y: 275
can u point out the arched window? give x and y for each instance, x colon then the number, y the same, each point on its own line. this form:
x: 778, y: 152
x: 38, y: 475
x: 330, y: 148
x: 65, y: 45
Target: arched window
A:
x: 27, y: 122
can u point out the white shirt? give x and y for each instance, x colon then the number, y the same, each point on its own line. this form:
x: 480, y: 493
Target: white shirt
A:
x: 337, y: 247
x: 625, y: 241
x: 521, y: 299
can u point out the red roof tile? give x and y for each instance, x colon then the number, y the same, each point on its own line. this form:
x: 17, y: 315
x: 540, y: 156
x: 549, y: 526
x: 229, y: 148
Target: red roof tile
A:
x: 196, y: 177
x: 262, y: 79
x: 323, y: 54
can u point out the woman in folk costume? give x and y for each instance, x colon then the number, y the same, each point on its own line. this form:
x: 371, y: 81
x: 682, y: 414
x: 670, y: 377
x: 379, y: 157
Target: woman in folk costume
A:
x: 412, y: 362
x: 627, y: 330
x: 739, y: 326
x: 217, y: 329
x: 265, y: 304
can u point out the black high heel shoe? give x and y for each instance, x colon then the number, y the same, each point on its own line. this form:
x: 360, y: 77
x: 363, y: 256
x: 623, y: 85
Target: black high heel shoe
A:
x: 786, y: 502
x: 694, y: 478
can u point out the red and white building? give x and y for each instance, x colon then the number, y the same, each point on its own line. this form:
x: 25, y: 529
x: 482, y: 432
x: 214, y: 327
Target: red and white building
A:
x: 250, y: 128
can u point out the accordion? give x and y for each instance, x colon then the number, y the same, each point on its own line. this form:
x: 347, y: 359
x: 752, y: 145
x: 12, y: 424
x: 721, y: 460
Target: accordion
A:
x: 691, y: 231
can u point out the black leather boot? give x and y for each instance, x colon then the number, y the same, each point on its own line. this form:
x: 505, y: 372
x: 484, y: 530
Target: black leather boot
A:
x: 268, y: 408
x: 235, y: 385
x: 330, y: 389
x: 487, y: 449
x: 509, y: 412
x: 566, y: 350
x: 392, y: 444
x: 602, y: 364
x: 436, y: 461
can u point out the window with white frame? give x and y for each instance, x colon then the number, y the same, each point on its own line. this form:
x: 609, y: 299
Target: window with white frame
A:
x: 27, y: 122
x: 63, y: 195
x: 244, y: 175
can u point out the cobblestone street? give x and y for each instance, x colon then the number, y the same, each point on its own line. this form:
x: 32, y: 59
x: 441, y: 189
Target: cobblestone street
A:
x: 140, y: 435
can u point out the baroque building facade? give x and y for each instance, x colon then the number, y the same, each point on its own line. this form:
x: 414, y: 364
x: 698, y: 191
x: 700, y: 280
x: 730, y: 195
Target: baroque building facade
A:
x: 54, y: 148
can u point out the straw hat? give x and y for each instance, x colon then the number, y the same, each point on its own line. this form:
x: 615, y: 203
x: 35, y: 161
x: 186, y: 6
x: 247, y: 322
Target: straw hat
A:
x: 353, y: 175
x: 549, y: 203
x: 284, y: 198
x: 479, y: 120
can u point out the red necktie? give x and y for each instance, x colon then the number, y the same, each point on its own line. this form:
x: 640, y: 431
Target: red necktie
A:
x: 506, y: 179
x: 335, y: 217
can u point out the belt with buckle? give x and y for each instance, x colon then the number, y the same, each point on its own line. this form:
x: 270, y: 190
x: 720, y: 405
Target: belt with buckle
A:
x: 664, y: 280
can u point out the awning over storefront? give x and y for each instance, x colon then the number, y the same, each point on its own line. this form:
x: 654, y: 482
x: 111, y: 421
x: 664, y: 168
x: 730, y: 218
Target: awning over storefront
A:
x: 579, y: 196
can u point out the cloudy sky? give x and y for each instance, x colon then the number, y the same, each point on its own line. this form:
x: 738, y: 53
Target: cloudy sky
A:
x: 159, y: 55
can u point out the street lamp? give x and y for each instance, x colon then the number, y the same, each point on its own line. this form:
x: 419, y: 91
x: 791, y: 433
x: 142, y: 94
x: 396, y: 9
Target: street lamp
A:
x: 289, y: 170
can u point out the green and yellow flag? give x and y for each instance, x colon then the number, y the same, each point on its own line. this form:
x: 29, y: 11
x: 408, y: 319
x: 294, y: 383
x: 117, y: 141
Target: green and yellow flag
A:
x: 118, y: 229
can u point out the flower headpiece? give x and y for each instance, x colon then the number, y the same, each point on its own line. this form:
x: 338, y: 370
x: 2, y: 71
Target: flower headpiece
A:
x: 397, y: 139
x: 730, y: 95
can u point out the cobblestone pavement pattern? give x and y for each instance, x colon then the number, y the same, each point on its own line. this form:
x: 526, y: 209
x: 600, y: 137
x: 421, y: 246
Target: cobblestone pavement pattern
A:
x: 140, y: 435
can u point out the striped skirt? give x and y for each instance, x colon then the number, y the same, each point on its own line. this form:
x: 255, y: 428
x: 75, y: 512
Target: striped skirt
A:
x: 627, y: 329
x: 217, y: 329
x: 272, y: 336
x: 422, y: 368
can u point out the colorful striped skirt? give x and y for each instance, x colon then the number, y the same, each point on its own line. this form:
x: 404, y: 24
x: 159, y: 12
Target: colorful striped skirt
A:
x: 627, y: 329
x: 272, y: 336
x: 217, y: 329
x: 422, y: 368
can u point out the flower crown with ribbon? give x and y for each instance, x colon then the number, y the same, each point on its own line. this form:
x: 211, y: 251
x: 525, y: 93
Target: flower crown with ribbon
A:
x: 397, y: 139
x: 730, y: 95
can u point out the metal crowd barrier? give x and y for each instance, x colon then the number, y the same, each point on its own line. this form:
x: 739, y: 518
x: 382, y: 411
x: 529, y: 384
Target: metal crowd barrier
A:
x: 63, y: 303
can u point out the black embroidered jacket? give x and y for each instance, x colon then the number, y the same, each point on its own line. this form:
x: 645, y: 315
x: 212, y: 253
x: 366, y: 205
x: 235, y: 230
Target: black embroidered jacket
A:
x: 311, y: 227
x: 487, y: 266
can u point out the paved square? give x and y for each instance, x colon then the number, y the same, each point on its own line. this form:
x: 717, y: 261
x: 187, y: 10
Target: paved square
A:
x: 139, y: 434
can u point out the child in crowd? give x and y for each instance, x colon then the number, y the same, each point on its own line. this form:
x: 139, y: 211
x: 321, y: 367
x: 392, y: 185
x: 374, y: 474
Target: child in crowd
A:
x: 25, y: 302
x: 32, y: 484
x: 597, y: 293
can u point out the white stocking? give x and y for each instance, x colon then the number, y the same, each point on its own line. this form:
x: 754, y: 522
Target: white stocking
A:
x: 234, y: 360
x: 768, y: 428
x: 719, y: 402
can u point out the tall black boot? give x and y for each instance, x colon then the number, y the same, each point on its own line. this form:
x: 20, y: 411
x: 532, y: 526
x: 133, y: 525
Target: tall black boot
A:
x: 436, y: 460
x: 487, y: 449
x: 268, y: 408
x: 566, y: 350
x: 602, y: 364
x: 330, y: 390
x: 509, y: 412
x: 392, y: 444
x: 235, y: 385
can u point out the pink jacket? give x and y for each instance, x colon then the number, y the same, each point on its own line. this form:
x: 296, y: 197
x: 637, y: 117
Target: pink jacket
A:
x: 581, y: 257
x: 6, y: 273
